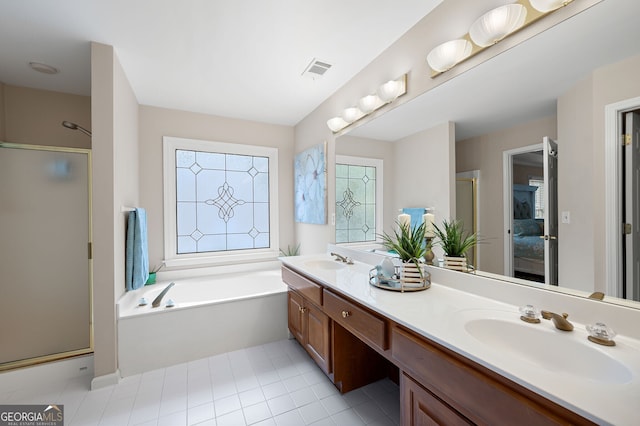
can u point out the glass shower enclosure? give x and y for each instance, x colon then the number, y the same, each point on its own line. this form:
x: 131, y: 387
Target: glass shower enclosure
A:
x: 45, y: 254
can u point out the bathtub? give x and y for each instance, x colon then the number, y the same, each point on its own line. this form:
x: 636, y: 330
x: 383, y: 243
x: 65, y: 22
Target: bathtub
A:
x: 211, y: 315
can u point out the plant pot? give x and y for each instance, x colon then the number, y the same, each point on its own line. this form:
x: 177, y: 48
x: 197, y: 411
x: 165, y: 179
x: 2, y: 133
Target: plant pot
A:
x: 456, y: 263
x: 414, y: 276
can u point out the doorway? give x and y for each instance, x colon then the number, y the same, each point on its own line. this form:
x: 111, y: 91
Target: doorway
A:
x: 467, y: 184
x: 530, y: 215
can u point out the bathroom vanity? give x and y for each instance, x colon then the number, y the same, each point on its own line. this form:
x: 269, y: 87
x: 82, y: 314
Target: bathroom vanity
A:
x: 447, y: 374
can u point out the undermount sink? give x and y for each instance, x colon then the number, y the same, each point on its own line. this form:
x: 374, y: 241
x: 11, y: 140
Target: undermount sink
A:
x: 550, y: 349
x: 324, y: 264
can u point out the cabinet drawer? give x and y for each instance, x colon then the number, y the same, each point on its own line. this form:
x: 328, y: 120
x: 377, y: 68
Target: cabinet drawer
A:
x: 303, y: 285
x: 477, y: 393
x: 367, y: 326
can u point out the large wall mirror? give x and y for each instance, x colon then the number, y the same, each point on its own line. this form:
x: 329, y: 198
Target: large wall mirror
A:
x: 557, y: 85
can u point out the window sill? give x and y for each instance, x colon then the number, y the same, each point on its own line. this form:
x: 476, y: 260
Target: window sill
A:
x: 222, y: 259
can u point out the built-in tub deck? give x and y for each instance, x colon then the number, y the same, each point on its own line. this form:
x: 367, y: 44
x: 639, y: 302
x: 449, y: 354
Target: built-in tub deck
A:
x: 211, y: 315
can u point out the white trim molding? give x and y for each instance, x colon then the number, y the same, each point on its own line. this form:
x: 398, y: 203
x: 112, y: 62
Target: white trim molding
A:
x: 171, y: 258
x: 99, y: 382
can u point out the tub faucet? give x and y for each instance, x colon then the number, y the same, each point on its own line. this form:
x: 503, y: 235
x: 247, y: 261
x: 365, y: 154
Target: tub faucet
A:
x: 156, y: 302
x: 560, y: 321
x: 343, y: 259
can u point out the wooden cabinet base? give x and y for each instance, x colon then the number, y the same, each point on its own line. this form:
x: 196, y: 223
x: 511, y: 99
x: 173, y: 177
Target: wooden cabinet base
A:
x: 356, y: 346
x: 421, y: 408
x: 355, y: 364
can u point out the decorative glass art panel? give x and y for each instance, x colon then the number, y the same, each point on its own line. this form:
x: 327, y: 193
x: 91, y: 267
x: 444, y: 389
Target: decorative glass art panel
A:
x: 222, y: 202
x: 355, y: 203
x: 311, y: 186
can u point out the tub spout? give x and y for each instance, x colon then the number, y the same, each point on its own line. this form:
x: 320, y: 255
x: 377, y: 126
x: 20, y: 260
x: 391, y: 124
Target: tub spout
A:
x: 156, y: 302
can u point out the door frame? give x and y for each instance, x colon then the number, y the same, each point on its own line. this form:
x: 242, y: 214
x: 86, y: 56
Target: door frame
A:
x: 507, y: 194
x: 613, y: 125
x: 474, y: 176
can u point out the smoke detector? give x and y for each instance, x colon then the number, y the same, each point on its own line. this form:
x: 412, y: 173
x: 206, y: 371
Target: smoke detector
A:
x: 43, y: 68
x: 316, y: 69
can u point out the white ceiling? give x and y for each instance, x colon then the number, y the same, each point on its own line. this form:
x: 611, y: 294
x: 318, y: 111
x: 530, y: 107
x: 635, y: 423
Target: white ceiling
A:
x: 234, y: 58
x: 522, y: 83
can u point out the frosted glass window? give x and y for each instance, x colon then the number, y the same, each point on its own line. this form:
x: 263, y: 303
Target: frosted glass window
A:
x: 355, y: 203
x: 222, y: 202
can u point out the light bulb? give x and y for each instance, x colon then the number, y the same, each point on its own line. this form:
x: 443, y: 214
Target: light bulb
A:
x: 336, y: 124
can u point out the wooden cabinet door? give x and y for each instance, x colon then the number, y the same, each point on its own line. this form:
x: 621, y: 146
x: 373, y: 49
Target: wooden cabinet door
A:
x: 296, y: 317
x: 318, y: 336
x: 419, y: 407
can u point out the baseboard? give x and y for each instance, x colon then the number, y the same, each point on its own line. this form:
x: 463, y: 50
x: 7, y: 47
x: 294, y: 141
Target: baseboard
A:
x: 106, y: 380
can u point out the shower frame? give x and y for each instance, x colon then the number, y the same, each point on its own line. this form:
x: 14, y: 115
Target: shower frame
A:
x: 11, y: 365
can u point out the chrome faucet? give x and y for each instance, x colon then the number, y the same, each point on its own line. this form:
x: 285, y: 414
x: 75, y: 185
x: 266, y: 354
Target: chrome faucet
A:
x: 344, y: 259
x: 156, y: 302
x: 560, y: 321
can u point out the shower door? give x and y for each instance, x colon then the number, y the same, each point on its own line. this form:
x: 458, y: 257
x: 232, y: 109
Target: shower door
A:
x: 45, y: 266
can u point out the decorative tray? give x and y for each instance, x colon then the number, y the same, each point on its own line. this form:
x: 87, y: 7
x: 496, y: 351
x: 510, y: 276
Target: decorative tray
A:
x: 407, y: 278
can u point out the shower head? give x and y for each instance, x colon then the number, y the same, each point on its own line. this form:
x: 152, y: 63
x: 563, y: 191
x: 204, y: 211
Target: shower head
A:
x: 74, y: 126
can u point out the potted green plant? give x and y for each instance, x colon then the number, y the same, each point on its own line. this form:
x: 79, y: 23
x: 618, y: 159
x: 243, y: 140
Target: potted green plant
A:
x: 455, y: 242
x: 408, y: 243
x: 152, y: 274
x: 291, y: 251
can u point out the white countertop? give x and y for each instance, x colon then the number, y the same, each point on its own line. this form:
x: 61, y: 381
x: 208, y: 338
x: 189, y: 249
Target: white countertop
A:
x: 438, y: 314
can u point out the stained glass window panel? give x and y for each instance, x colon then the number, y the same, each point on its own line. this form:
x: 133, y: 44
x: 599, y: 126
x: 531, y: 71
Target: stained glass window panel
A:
x: 222, y: 202
x: 355, y: 203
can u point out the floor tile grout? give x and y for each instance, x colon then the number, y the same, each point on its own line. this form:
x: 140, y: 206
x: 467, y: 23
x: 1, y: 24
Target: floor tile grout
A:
x: 268, y: 384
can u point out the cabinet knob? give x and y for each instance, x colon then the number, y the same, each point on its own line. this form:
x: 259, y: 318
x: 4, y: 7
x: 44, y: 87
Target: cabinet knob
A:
x: 302, y: 309
x: 346, y: 314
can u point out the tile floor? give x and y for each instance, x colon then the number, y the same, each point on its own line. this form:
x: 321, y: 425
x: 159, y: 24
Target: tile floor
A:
x: 275, y: 384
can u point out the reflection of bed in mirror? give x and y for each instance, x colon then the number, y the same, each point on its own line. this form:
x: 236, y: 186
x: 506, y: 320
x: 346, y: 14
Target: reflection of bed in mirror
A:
x: 528, y: 247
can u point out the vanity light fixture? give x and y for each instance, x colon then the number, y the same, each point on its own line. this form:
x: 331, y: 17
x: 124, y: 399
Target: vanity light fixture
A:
x: 489, y: 29
x: 386, y: 93
x: 336, y: 124
x: 351, y: 114
x: 369, y: 103
x: 389, y: 91
x: 447, y: 55
x: 497, y: 23
x: 545, y: 6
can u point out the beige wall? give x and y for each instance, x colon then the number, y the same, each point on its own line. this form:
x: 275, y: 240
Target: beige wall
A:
x: 521, y: 174
x: 158, y: 122
x: 425, y: 174
x: 115, y: 183
x: 406, y: 55
x: 371, y: 148
x: 34, y: 116
x: 576, y: 190
x: 581, y: 126
x: 484, y: 153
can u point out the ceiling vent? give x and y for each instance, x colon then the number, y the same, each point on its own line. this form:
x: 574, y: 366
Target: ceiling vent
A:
x: 316, y: 69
